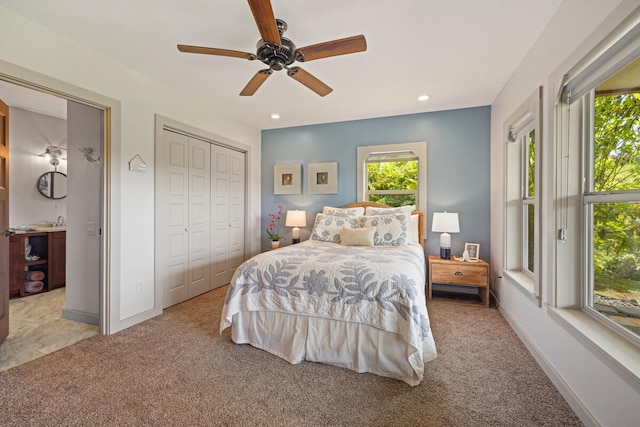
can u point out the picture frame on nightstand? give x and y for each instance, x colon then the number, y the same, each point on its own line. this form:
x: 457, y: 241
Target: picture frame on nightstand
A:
x: 473, y: 249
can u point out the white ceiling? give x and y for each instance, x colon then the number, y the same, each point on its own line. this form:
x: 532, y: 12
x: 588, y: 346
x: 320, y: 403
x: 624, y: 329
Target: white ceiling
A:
x: 460, y: 52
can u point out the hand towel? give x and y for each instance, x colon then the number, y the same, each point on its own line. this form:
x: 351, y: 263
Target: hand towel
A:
x: 34, y: 275
x: 32, y: 286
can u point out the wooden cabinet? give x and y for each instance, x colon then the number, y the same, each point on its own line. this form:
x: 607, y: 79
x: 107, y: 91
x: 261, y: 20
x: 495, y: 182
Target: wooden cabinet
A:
x: 57, y: 265
x: 459, y: 273
x: 51, y: 250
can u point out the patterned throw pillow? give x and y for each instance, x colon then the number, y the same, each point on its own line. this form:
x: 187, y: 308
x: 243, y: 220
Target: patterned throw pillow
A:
x: 328, y: 228
x: 391, y: 230
x: 328, y: 210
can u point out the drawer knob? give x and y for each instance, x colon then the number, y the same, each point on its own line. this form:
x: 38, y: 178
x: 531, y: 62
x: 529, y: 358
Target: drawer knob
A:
x: 458, y: 273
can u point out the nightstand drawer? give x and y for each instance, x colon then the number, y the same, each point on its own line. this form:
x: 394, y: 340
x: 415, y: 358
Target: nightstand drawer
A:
x: 470, y: 275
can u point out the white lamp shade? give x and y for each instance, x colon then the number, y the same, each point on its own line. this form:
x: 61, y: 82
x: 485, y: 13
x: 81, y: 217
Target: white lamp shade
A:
x: 296, y: 219
x: 445, y: 222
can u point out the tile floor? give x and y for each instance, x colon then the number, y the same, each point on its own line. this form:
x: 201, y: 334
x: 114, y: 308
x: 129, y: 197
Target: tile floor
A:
x: 36, y: 328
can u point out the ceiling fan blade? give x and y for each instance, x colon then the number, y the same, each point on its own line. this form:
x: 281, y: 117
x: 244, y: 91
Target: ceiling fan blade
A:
x: 309, y: 81
x: 266, y: 21
x: 332, y: 48
x: 214, y: 51
x: 255, y: 82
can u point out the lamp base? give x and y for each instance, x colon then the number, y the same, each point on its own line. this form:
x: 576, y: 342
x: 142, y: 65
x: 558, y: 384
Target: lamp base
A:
x: 445, y: 253
x: 294, y: 241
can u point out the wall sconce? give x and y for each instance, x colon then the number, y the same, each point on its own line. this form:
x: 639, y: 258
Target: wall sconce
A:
x: 296, y: 219
x: 54, y: 155
x: 89, y: 154
x: 445, y: 223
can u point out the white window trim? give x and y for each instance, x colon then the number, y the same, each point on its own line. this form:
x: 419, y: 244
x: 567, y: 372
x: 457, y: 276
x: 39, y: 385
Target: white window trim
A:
x: 527, y: 118
x: 418, y: 148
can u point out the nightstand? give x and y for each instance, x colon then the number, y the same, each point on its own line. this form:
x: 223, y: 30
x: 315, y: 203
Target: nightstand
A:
x: 459, y: 273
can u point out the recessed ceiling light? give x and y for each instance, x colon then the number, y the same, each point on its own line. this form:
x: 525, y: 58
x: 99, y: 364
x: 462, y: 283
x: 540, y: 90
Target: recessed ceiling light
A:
x: 275, y: 116
x: 423, y: 97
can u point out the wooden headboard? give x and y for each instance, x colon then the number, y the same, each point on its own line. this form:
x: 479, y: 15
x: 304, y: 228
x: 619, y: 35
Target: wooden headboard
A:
x: 380, y: 205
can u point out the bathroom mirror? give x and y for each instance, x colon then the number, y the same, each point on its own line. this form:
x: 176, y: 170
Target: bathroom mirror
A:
x: 53, y: 185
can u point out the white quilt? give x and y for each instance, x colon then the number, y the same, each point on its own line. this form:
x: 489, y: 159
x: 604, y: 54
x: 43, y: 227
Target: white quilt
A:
x: 382, y: 287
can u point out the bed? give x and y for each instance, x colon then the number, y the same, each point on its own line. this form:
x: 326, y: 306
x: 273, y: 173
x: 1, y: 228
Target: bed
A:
x: 349, y: 296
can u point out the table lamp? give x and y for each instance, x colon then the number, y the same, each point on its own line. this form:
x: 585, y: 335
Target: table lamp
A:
x: 296, y: 219
x: 445, y: 223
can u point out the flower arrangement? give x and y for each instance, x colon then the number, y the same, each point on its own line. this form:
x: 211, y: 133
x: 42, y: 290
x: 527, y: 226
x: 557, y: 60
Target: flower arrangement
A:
x: 274, y: 228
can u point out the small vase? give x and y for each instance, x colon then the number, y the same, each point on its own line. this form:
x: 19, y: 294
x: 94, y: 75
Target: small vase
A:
x: 275, y: 244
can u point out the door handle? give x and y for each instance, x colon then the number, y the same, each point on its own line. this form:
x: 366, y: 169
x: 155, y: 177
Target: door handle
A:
x: 8, y: 232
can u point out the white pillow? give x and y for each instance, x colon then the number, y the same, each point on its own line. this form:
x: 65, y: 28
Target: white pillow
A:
x: 328, y: 228
x: 414, y: 228
x: 402, y: 210
x: 328, y: 210
x: 357, y: 236
x: 390, y: 230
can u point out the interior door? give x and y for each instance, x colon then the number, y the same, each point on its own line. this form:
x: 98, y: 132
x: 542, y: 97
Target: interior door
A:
x: 4, y: 221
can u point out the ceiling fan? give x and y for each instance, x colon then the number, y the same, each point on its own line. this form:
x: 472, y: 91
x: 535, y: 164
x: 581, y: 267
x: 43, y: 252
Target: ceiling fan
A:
x: 279, y: 52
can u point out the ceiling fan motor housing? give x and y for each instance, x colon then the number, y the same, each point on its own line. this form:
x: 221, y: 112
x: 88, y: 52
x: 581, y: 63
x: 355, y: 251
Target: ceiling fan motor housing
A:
x: 277, y: 56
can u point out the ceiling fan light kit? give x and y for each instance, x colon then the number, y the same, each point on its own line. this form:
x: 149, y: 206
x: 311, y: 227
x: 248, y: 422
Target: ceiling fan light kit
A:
x: 279, y: 52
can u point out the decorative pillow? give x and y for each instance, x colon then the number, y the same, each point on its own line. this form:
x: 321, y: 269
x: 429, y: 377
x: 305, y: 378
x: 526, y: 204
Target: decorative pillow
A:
x: 402, y: 210
x: 414, y: 229
x: 328, y: 228
x: 390, y: 230
x: 357, y: 236
x: 328, y: 210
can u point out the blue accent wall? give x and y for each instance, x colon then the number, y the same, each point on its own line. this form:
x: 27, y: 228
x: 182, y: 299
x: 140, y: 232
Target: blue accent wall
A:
x: 457, y: 167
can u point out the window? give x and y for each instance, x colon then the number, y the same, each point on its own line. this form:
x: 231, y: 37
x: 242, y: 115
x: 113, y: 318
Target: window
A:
x: 393, y: 174
x: 522, y: 132
x: 599, y: 117
x: 392, y: 178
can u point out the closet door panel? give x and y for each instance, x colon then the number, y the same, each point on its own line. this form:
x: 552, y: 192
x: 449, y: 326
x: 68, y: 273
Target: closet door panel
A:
x: 173, y: 218
x: 199, y: 213
x: 237, y: 211
x: 220, y: 219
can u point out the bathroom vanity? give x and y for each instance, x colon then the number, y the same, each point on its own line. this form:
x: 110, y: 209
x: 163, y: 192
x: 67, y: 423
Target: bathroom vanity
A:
x: 37, y: 251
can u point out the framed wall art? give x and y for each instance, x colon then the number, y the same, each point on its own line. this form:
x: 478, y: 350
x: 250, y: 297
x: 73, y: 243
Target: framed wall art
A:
x: 287, y: 179
x: 322, y: 178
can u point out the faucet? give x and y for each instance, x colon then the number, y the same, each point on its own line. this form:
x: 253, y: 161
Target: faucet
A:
x: 60, y: 221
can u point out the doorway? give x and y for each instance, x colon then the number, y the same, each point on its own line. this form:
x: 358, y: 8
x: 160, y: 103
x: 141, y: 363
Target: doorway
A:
x: 81, y: 212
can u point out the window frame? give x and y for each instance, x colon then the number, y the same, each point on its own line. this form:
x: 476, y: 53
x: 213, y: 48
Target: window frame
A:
x: 420, y: 151
x: 589, y: 199
x: 571, y: 290
x: 517, y: 128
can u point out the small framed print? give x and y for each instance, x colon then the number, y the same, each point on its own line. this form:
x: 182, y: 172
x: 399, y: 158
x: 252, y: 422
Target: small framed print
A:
x: 473, y: 249
x: 287, y: 179
x: 322, y: 178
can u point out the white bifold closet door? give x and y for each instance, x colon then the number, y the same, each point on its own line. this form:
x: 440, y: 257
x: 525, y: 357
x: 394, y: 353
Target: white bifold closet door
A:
x: 200, y: 216
x: 227, y: 219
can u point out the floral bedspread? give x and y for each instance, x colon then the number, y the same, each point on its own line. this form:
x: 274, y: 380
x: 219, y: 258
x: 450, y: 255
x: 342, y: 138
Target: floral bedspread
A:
x: 379, y: 286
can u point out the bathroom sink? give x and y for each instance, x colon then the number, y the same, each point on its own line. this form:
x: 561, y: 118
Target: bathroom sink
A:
x: 47, y: 227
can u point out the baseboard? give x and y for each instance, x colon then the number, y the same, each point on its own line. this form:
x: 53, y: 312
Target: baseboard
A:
x: 80, y: 316
x: 574, y: 402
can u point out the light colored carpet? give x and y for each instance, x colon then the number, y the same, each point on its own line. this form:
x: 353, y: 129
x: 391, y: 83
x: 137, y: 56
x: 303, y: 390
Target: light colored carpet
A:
x: 176, y: 369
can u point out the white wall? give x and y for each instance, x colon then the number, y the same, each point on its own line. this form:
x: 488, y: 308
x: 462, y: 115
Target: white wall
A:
x: 30, y: 134
x: 34, y: 53
x: 598, y: 390
x: 84, y: 129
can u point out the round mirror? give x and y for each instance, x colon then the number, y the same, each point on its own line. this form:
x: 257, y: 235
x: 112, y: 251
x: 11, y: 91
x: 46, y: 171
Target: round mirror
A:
x: 53, y: 185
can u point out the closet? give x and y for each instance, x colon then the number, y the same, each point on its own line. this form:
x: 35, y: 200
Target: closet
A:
x: 200, y: 197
